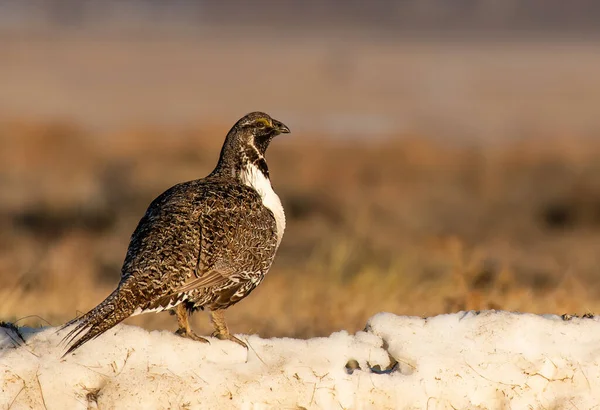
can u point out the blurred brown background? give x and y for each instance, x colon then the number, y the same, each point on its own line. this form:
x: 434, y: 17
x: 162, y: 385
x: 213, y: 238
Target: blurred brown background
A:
x: 443, y: 155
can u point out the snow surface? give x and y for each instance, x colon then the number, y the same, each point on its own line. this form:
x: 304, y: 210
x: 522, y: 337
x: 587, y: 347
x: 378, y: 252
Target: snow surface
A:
x: 466, y: 360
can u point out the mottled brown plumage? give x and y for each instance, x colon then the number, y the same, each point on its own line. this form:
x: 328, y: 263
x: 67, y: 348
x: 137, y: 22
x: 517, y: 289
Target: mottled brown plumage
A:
x: 201, y: 244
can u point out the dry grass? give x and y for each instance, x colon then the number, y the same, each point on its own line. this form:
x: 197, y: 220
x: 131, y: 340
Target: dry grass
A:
x: 405, y: 225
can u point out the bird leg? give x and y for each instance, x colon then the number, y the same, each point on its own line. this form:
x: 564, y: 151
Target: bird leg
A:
x: 221, y: 331
x: 184, y: 325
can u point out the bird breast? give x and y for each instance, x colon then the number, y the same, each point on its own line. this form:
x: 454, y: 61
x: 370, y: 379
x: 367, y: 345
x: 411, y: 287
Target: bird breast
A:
x: 254, y: 178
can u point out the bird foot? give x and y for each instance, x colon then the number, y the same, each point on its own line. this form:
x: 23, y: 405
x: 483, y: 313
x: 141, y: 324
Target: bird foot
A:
x: 188, y: 334
x: 228, y: 336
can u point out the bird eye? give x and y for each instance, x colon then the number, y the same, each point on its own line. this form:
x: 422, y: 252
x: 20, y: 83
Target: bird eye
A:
x: 260, y: 124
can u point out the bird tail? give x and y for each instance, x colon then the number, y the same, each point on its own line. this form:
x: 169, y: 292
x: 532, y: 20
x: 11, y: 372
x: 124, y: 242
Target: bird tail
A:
x: 113, y: 310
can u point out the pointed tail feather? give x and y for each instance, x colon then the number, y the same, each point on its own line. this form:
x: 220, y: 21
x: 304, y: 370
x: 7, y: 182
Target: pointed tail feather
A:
x: 113, y: 310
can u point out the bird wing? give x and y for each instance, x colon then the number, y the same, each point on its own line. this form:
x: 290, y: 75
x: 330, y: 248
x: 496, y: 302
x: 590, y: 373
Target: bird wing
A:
x: 234, y: 238
x: 208, y: 279
x: 178, y: 295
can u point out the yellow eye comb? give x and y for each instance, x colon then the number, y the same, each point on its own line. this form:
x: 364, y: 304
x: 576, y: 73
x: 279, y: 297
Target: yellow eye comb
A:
x: 264, y: 121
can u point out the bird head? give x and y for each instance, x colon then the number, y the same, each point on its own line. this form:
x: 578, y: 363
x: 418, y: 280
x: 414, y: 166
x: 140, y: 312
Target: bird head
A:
x: 257, y: 129
x: 247, y: 142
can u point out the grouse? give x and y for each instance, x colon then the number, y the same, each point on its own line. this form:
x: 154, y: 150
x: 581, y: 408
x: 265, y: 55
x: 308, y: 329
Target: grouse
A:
x: 202, y: 244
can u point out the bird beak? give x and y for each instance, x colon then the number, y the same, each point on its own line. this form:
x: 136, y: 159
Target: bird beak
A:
x: 280, y: 127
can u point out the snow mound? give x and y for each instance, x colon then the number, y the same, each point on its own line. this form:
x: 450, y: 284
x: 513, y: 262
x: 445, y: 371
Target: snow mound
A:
x: 463, y: 360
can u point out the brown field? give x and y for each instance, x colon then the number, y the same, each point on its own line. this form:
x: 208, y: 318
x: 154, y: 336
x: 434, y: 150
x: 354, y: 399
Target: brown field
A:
x: 339, y: 83
x: 405, y: 225
x: 485, y: 192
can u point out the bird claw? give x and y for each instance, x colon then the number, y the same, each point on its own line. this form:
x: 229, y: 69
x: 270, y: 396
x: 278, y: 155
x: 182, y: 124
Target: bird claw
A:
x: 191, y: 335
x: 229, y: 336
